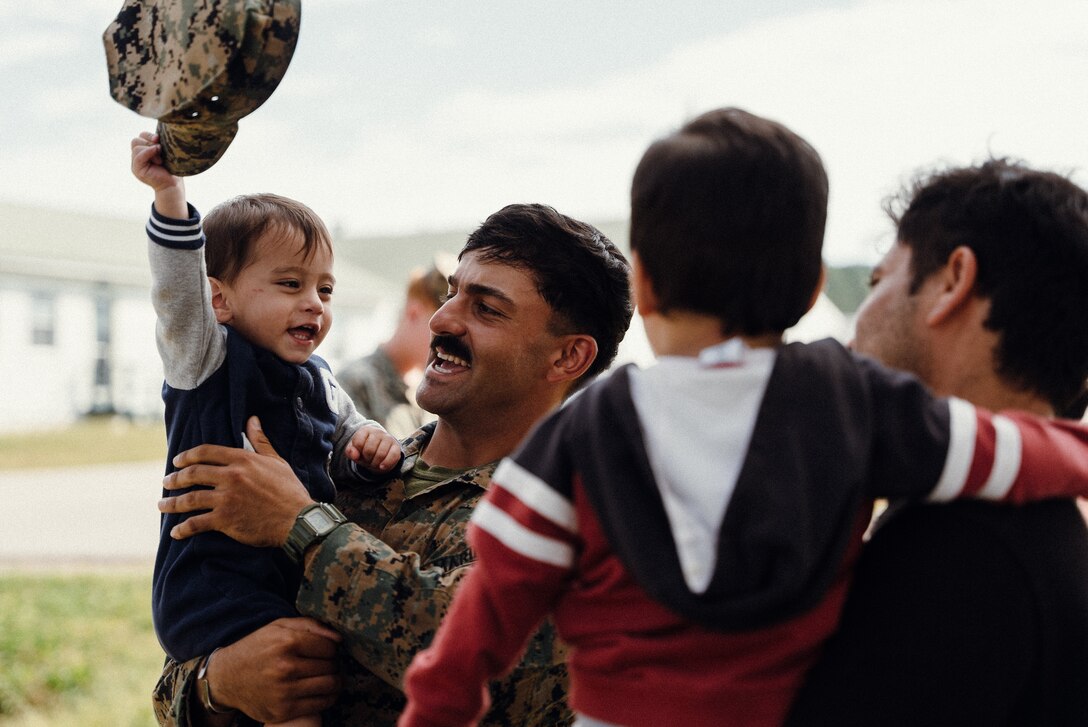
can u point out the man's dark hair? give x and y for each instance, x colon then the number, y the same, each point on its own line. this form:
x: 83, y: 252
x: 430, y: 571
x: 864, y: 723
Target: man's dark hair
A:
x: 1029, y: 231
x: 578, y: 272
x: 727, y: 218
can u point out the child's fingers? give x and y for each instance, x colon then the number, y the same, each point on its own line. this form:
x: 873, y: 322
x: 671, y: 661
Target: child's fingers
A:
x: 146, y: 152
x: 365, y: 444
x: 390, y: 457
x: 144, y: 158
x: 377, y: 449
x: 144, y: 139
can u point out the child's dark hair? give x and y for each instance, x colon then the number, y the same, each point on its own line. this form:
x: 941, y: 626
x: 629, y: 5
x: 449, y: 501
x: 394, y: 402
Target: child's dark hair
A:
x: 727, y: 219
x: 578, y: 272
x: 233, y: 226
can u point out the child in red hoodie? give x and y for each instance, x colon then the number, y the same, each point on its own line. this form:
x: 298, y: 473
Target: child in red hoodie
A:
x: 691, y: 526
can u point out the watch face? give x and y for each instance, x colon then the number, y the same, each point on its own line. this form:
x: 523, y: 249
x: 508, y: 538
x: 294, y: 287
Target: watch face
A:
x: 319, y: 520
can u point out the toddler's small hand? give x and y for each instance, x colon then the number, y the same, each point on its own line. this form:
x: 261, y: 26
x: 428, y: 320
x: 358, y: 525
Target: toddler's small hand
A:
x: 147, y: 162
x: 374, y: 448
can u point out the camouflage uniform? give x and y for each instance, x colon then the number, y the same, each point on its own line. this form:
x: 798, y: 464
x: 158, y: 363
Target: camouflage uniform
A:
x: 385, y: 583
x: 381, y: 394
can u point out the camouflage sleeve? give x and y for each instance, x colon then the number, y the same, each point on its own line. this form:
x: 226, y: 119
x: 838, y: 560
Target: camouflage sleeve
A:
x: 383, y: 602
x: 170, y: 699
x: 173, y: 695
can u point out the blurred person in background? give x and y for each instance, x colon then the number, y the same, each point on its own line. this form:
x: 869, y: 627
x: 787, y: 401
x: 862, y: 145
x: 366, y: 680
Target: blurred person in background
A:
x: 382, y: 384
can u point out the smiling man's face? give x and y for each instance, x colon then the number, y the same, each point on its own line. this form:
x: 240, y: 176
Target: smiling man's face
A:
x: 492, y: 345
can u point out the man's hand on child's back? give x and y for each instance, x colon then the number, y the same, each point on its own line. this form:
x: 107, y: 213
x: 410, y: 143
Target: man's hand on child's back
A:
x: 374, y: 448
x: 147, y: 167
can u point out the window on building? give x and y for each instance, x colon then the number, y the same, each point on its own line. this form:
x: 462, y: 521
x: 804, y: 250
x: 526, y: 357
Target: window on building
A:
x: 102, y: 398
x: 43, y: 319
x: 102, y: 319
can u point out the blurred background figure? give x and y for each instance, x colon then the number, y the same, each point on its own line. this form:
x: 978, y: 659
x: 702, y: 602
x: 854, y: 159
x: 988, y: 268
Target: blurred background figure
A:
x: 383, y: 383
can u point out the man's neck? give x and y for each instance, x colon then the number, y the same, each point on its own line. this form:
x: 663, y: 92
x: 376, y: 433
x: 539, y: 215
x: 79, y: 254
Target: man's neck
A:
x: 964, y: 365
x: 990, y: 393
x: 459, y: 444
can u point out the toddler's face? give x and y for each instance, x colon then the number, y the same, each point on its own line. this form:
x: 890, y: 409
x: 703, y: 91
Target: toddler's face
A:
x: 281, y: 300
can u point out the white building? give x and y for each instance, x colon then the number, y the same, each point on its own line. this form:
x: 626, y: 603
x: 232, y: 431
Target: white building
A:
x: 77, y: 329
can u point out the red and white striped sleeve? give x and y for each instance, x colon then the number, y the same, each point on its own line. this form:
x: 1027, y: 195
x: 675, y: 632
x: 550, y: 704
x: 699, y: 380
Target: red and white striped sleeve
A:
x: 524, y: 534
x: 1012, y: 456
x: 527, y: 516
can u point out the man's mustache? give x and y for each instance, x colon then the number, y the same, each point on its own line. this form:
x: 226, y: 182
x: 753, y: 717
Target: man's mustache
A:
x: 452, y: 345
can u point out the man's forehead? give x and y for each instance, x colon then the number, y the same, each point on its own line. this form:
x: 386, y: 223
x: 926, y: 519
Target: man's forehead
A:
x: 477, y: 271
x: 897, y: 256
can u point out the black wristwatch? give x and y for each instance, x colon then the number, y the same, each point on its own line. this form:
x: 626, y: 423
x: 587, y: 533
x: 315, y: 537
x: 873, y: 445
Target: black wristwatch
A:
x: 311, y: 526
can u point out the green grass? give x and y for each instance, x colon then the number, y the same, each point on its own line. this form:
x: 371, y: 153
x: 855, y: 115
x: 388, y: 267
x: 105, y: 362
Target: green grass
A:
x: 77, y: 650
x: 96, y: 440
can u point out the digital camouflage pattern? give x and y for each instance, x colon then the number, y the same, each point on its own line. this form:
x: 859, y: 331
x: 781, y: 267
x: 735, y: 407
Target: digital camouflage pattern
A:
x: 198, y: 66
x: 385, y: 583
x: 174, y: 693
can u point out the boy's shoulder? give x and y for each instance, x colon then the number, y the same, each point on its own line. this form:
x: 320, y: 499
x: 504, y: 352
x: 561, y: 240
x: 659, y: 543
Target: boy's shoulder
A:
x: 826, y: 351
x: 610, y: 391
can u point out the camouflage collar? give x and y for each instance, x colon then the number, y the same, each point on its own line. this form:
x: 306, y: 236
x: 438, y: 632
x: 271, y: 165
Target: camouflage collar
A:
x: 415, y: 443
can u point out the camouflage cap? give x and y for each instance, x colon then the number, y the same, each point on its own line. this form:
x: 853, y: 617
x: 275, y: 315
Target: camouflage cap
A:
x: 198, y: 66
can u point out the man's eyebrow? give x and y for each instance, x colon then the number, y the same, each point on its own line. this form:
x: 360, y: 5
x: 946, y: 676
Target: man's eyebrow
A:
x: 478, y: 289
x: 488, y: 291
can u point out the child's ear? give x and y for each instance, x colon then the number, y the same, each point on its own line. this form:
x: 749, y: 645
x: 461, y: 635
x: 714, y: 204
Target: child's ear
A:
x: 221, y: 301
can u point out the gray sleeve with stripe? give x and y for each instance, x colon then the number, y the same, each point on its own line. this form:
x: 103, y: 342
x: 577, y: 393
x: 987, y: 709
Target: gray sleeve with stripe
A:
x: 191, y: 343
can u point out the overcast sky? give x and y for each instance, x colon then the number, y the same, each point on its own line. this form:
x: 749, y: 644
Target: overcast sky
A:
x: 405, y: 115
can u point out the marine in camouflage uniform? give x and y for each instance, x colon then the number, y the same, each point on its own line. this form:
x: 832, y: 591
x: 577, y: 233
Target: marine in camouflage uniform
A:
x: 379, y: 391
x: 384, y: 582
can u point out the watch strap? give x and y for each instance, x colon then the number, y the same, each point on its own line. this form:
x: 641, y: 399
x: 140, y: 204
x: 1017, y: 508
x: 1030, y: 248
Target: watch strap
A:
x: 303, y: 534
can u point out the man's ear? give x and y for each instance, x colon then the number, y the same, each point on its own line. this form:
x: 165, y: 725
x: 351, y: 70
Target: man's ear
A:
x: 578, y: 353
x: 221, y: 301
x: 955, y: 285
x: 642, y: 289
